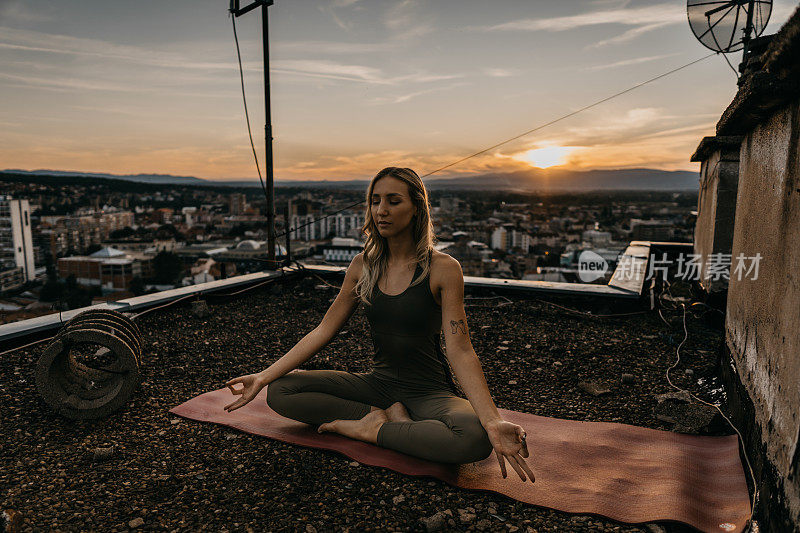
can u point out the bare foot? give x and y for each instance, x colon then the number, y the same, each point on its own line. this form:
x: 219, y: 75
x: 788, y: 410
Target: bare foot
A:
x: 397, y: 413
x: 365, y: 429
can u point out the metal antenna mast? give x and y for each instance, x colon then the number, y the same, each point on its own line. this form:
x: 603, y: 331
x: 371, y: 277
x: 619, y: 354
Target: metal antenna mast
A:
x: 237, y: 12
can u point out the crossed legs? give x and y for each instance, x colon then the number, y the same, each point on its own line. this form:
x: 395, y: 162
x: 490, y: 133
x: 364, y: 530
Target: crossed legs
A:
x: 367, y: 428
x: 444, y: 428
x: 437, y: 426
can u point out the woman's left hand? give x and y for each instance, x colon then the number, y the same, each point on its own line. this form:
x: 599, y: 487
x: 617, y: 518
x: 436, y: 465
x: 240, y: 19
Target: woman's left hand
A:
x: 509, y: 445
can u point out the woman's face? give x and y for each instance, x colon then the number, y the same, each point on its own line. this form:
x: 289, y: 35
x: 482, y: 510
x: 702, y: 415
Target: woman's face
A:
x: 391, y: 206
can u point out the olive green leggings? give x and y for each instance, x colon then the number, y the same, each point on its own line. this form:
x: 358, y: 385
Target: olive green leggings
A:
x: 445, y: 427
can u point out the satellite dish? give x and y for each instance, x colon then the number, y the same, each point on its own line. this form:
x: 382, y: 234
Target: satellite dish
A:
x: 727, y: 25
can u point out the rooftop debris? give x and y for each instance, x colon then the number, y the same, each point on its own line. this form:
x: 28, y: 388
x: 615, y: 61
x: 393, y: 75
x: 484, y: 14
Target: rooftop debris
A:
x: 80, y: 384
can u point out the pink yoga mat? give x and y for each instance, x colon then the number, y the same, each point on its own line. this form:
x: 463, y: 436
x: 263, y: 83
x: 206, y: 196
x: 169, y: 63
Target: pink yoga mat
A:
x: 627, y: 473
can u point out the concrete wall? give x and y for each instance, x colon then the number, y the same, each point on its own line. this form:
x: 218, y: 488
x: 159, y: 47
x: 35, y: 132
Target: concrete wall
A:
x: 763, y: 315
x: 716, y: 207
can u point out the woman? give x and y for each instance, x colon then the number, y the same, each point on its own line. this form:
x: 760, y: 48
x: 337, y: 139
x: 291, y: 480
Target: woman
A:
x: 408, y: 402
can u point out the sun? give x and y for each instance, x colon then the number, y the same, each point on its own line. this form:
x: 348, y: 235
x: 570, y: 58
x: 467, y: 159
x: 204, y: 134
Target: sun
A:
x: 550, y: 156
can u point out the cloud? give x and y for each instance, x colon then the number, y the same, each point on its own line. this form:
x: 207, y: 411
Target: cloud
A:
x: 339, y: 22
x: 663, y: 13
x: 361, y: 165
x: 629, y: 35
x: 638, y: 138
x: 332, y: 47
x: 611, y: 128
x: 400, y: 14
x: 331, y: 11
x: 70, y: 84
x: 146, y: 114
x: 706, y: 126
x: 616, y: 4
x: 33, y: 41
x: 500, y: 72
x: 646, y: 137
x: 19, y: 12
x: 403, y: 18
x: 351, y: 166
x: 665, y: 150
x: 343, y: 3
x: 357, y: 73
x: 644, y: 19
x: 627, y: 62
x: 24, y: 40
x: 406, y: 97
x: 330, y: 69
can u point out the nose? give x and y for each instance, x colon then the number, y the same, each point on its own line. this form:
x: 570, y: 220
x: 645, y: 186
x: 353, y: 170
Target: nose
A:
x: 382, y: 207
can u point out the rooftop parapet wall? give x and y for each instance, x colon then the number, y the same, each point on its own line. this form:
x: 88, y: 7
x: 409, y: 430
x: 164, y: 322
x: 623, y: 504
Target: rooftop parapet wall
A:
x: 763, y: 314
x: 716, y: 202
x: 618, y: 297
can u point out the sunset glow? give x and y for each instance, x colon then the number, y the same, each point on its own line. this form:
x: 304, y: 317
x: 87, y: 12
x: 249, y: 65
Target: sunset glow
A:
x: 550, y: 156
x: 355, y: 86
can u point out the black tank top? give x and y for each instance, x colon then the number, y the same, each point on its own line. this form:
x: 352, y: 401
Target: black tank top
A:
x: 405, y: 331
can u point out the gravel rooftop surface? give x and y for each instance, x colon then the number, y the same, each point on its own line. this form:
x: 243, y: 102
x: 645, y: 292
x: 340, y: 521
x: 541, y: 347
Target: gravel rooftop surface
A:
x: 171, y: 474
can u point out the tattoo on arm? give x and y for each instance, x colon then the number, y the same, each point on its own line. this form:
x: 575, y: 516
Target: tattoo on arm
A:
x: 458, y: 327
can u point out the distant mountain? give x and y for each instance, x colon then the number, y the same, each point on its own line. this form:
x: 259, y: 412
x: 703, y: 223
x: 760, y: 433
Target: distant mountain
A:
x: 141, y: 178
x: 525, y: 181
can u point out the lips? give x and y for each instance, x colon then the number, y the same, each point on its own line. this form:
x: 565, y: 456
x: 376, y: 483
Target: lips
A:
x: 384, y: 223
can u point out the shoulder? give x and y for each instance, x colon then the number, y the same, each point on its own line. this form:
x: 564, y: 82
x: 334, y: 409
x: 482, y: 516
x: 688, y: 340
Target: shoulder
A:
x: 445, y: 269
x: 356, y: 265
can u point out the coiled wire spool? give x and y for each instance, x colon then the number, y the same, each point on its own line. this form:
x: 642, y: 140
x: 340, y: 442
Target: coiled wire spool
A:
x: 83, y: 392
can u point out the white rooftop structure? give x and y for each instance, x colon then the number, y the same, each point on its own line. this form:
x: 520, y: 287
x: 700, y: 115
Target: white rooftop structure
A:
x: 249, y: 245
x: 108, y: 252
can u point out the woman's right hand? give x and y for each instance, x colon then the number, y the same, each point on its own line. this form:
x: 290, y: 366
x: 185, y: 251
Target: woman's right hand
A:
x: 252, y: 385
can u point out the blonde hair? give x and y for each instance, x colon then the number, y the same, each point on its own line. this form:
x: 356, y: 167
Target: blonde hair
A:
x: 376, y: 250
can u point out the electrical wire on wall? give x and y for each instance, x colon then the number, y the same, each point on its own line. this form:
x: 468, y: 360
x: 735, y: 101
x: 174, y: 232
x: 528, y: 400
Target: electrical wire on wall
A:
x: 684, y: 309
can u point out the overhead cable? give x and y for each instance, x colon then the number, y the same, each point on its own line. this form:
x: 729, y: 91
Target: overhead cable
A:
x: 246, y: 114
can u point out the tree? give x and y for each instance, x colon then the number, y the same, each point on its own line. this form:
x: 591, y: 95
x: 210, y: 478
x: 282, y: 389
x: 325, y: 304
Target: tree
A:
x: 606, y: 217
x: 92, y: 249
x: 167, y: 267
x: 239, y: 229
x: 122, y: 233
x: 78, y: 297
x: 136, y: 286
x: 51, y: 291
x: 168, y: 231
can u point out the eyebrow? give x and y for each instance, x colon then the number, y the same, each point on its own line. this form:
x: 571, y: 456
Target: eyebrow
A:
x: 389, y: 194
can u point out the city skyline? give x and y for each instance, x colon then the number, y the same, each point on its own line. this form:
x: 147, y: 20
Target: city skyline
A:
x: 356, y: 85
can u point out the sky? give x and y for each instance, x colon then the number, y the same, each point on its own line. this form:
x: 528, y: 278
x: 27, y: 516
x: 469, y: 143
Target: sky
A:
x: 356, y: 85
